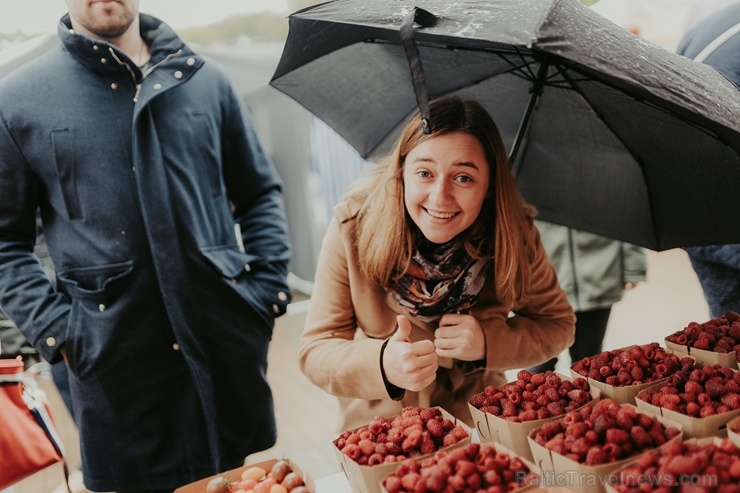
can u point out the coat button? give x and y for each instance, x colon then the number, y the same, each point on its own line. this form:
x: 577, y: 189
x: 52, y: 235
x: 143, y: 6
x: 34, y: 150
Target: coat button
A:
x: 103, y: 61
x: 101, y: 307
x: 51, y: 342
x: 282, y: 296
x: 247, y: 268
x: 178, y: 75
x: 191, y: 61
x: 176, y: 346
x: 96, y: 47
x: 113, y: 86
x: 275, y: 309
x: 157, y: 86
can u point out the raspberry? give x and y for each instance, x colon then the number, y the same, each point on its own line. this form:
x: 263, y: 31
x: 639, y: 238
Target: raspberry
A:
x: 550, y: 429
x: 537, y: 379
x: 427, y: 445
x: 734, y: 331
x: 530, y: 415
x: 715, y: 389
x: 435, y: 428
x: 602, y: 423
x: 732, y: 401
x: 352, y: 451
x: 478, y: 400
x: 641, y: 439
x: 681, y: 464
x: 702, y: 344
x: 367, y: 447
x: 393, y: 484
x: 693, y: 387
x: 636, y: 373
x: 524, y: 375
x: 616, y: 436
x: 409, y: 480
x: 555, y: 408
x: 495, y: 410
x: 552, y: 394
x: 465, y: 468
x: 579, y: 396
x: 543, y: 413
x: 596, y: 455
x: 509, y: 409
x: 693, y: 409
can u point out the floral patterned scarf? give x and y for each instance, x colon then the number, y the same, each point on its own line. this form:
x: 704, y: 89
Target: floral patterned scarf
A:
x: 444, y: 279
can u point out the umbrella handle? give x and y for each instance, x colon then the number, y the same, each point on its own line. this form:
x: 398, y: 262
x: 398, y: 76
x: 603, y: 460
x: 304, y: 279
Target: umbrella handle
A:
x: 425, y: 19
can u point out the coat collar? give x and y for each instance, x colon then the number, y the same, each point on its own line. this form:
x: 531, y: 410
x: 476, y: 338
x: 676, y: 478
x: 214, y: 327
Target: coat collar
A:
x: 102, y: 57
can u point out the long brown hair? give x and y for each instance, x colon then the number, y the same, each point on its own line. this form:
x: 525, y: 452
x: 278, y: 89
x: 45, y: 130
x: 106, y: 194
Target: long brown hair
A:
x: 386, y: 235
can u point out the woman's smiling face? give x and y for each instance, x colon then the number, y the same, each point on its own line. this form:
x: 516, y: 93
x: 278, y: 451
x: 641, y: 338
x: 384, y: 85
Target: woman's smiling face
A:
x: 445, y: 182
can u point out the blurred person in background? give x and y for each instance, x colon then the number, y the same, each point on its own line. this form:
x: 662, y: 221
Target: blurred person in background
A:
x: 715, y: 40
x: 595, y: 272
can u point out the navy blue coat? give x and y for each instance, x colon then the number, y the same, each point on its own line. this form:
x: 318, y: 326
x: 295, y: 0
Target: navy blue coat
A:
x: 165, y: 319
x: 716, y: 42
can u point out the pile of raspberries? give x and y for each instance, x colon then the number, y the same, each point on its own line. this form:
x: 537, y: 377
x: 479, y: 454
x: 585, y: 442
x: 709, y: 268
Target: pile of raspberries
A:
x: 533, y: 396
x: 634, y: 365
x: 602, y: 433
x: 683, y: 466
x: 719, y: 335
x: 474, y: 467
x: 697, y: 392
x: 416, y: 431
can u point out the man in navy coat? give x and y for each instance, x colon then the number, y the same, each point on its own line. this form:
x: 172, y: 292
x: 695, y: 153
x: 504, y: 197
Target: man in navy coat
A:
x: 165, y: 222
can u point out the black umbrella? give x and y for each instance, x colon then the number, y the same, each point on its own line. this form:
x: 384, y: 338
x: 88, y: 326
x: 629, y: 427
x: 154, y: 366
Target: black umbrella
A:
x: 611, y: 134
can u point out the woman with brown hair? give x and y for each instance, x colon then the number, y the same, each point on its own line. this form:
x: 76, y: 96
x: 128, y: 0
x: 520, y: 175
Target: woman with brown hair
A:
x: 432, y: 279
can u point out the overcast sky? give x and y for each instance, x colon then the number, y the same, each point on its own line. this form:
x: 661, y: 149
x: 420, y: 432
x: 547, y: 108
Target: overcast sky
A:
x: 31, y: 16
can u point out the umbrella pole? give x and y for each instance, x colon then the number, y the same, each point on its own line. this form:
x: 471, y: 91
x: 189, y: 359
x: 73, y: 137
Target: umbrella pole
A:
x: 424, y: 19
x: 536, y: 92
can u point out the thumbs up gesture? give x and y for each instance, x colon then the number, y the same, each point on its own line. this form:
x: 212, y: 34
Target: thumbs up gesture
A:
x: 409, y: 365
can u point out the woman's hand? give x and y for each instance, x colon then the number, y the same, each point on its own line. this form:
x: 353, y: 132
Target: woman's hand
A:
x: 409, y: 365
x: 460, y: 337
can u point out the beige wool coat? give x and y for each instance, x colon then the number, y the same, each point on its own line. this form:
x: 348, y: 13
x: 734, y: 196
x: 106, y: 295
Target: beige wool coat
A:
x: 350, y: 318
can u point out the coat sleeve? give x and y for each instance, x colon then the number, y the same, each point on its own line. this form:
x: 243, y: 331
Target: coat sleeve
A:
x: 27, y: 295
x: 334, y: 354
x: 635, y: 263
x: 537, y: 331
x: 255, y: 190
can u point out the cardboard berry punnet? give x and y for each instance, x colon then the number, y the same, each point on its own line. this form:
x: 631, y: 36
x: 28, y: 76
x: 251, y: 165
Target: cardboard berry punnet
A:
x: 705, y: 357
x: 513, y: 435
x: 714, y: 342
x: 558, y: 470
x: 626, y: 394
x: 235, y: 474
x: 693, y: 427
x: 632, y: 472
x: 367, y: 479
x: 526, y: 475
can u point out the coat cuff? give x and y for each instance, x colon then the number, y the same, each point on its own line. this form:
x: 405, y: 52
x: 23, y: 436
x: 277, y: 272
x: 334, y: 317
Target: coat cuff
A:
x: 395, y: 393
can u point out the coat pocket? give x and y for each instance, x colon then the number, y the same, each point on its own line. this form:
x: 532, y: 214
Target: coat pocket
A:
x: 94, y: 292
x: 93, y: 280
x: 265, y: 290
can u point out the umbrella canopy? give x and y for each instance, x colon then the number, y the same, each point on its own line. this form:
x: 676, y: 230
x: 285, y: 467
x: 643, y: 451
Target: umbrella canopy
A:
x: 611, y: 134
